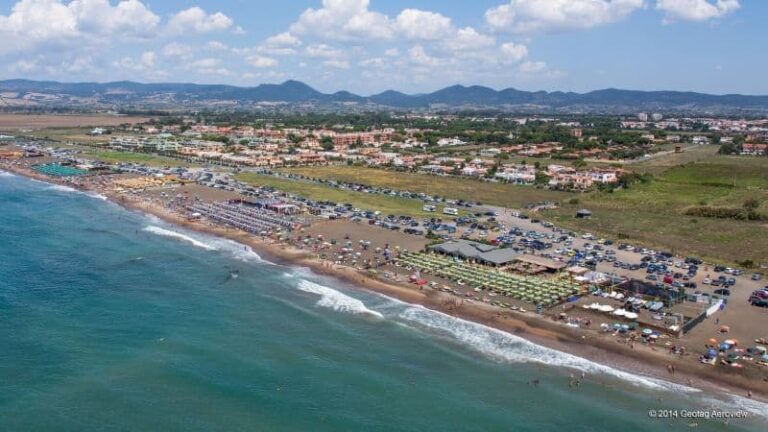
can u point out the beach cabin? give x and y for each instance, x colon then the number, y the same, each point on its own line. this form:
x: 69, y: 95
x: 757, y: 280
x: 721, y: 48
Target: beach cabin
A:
x: 583, y: 214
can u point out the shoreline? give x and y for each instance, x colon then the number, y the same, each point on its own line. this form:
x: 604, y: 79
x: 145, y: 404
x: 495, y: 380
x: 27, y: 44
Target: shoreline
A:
x: 539, y: 330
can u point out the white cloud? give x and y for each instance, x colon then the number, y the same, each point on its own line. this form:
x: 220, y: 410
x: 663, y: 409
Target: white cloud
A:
x: 419, y: 57
x: 25, y: 66
x: 373, y: 62
x: 696, y: 10
x: 217, y: 46
x: 261, y: 62
x: 529, y: 16
x: 513, y: 52
x: 144, y: 63
x: 531, y: 67
x: 392, y: 52
x: 177, y: 50
x: 344, y: 20
x: 469, y: 39
x: 51, y: 23
x: 323, y: 51
x: 425, y: 25
x: 128, y: 17
x: 205, y: 63
x: 282, y: 40
x: 148, y: 59
x: 338, y: 64
x: 196, y: 20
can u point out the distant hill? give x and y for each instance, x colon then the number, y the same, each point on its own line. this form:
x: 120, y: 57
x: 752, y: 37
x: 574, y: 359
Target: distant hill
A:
x: 128, y: 93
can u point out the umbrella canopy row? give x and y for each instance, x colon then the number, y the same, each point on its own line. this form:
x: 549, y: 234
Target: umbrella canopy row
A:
x: 538, y: 291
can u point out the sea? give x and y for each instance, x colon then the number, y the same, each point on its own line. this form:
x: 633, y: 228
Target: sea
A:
x: 112, y: 320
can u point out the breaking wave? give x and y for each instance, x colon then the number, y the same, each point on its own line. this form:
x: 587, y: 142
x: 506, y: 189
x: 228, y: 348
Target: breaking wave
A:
x: 238, y: 250
x: 6, y: 174
x: 97, y: 196
x: 507, y: 347
x: 177, y: 235
x: 68, y: 189
x: 62, y: 188
x: 336, y: 300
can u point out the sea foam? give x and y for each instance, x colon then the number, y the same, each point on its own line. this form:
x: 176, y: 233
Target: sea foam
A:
x: 62, y: 188
x: 336, y: 300
x: 212, y: 243
x: 177, y: 235
x: 68, y: 189
x: 514, y: 349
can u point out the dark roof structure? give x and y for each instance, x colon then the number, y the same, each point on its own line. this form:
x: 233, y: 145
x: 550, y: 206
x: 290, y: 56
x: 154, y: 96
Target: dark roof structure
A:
x: 480, y: 252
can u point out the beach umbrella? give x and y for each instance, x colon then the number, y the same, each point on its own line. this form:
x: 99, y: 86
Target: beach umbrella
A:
x: 761, y: 349
x: 712, y: 341
x: 731, y: 342
x: 724, y: 346
x: 647, y: 332
x: 711, y: 353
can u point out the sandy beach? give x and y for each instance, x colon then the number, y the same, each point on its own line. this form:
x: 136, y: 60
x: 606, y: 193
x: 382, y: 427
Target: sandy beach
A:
x: 589, y: 344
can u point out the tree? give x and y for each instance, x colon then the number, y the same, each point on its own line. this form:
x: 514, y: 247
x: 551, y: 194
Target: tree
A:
x: 541, y: 178
x: 751, y: 204
x: 579, y: 163
x: 326, y: 143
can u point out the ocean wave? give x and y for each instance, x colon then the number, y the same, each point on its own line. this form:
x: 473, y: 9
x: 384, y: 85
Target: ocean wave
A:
x: 336, y: 300
x: 752, y: 406
x: 62, y: 188
x: 97, y: 196
x: 212, y: 243
x: 177, y: 235
x: 514, y: 349
x: 6, y: 174
x: 68, y: 189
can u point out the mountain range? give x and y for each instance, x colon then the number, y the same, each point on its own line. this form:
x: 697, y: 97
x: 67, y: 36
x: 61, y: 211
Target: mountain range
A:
x: 121, y: 94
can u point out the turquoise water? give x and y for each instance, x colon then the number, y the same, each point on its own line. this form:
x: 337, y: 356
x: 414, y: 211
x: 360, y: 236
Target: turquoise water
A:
x: 111, y: 320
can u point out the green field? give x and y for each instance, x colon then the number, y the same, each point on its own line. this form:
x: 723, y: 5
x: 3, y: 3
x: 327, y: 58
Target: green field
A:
x: 653, y: 213
x: 130, y: 157
x: 451, y: 187
x: 385, y: 204
x: 662, y: 163
x: 69, y: 134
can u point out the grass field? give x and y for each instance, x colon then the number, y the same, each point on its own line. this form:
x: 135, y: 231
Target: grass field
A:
x: 662, y: 163
x: 652, y: 213
x: 129, y: 157
x: 385, y: 204
x: 452, y: 187
x: 69, y: 134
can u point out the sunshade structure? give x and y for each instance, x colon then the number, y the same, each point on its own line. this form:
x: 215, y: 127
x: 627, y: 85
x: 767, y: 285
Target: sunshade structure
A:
x: 538, y: 291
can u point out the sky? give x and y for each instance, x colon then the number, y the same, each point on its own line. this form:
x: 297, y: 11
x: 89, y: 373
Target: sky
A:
x: 414, y: 46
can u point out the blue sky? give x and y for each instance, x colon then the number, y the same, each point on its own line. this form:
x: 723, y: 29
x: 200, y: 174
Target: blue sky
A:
x: 367, y: 46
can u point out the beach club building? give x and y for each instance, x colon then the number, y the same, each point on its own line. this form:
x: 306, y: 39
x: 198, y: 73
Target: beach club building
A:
x: 477, y: 252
